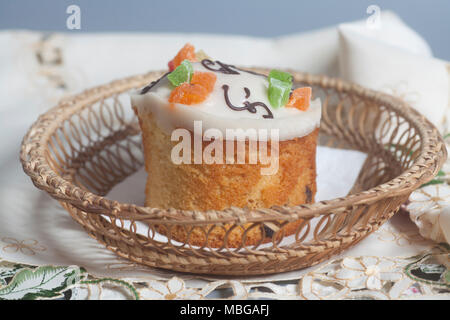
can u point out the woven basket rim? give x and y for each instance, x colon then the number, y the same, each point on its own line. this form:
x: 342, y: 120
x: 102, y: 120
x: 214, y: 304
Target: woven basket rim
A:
x: 33, y: 160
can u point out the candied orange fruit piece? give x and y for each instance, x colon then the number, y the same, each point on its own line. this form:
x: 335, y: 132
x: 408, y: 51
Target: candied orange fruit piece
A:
x: 202, y: 84
x: 188, y: 93
x: 205, y: 79
x: 300, y: 98
x: 186, y: 53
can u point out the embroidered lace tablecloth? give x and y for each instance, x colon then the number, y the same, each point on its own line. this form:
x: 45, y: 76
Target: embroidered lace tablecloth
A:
x: 45, y: 254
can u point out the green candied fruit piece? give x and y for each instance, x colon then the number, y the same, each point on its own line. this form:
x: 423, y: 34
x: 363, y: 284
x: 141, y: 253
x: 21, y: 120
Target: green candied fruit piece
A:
x: 280, y: 75
x: 278, y: 92
x: 183, y: 73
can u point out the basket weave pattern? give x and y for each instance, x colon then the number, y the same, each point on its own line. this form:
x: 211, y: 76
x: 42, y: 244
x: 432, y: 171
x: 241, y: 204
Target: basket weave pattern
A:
x: 88, y: 143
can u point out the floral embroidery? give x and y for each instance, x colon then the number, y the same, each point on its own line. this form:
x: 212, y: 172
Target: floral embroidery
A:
x: 27, y: 247
x: 431, y: 268
x: 429, y: 209
x: 400, y: 237
x: 46, y: 69
x: 367, y: 272
x: 173, y: 289
x: 366, y: 277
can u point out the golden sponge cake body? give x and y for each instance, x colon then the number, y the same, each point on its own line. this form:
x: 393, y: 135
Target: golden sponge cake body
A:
x: 219, y: 186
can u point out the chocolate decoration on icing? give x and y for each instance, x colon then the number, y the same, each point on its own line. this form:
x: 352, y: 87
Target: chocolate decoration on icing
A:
x: 249, y: 106
x: 147, y: 88
x: 152, y: 84
x: 251, y: 72
x: 227, y: 68
x: 224, y: 68
x: 247, y: 92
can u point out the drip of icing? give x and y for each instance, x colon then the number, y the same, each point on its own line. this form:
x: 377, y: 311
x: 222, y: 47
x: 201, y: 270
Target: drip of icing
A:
x: 239, y: 101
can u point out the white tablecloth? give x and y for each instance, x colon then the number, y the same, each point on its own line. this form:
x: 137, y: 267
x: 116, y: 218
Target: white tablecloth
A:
x: 37, y: 235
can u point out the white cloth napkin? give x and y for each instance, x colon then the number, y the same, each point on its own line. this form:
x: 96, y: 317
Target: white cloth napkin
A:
x: 394, y: 59
x: 36, y: 71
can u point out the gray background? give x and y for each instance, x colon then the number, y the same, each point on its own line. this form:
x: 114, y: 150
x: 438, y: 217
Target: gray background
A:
x: 430, y: 18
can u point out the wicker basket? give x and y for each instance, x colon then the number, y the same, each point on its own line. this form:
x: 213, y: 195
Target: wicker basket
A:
x: 88, y: 143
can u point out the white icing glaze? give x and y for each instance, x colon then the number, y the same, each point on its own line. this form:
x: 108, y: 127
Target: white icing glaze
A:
x: 214, y: 112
